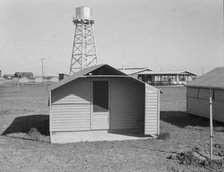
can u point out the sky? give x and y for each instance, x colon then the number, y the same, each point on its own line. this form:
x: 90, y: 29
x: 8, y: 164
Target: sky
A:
x: 158, y: 34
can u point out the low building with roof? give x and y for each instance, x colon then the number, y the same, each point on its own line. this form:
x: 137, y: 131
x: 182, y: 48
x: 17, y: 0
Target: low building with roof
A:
x: 160, y: 77
x: 23, y: 80
x: 134, y: 71
x: 102, y: 99
x: 54, y: 79
x: 38, y: 80
x: 166, y: 77
x: 199, y: 91
x: 28, y: 75
x: 8, y: 76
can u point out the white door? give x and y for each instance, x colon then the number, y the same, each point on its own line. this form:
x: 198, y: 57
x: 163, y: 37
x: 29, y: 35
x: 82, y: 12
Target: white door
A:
x: 100, y: 105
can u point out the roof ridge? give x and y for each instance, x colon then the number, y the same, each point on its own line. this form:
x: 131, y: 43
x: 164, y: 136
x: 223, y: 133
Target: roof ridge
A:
x: 213, y: 78
x: 81, y: 73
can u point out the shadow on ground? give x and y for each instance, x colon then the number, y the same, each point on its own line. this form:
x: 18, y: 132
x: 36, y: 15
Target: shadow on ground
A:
x: 183, y: 119
x: 25, y: 124
x: 133, y: 132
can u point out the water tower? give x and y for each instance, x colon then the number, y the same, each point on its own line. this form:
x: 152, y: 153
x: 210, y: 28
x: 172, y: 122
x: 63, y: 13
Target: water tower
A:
x: 84, y: 48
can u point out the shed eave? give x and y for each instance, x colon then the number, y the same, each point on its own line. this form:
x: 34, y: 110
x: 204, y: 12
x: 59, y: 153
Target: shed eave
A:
x: 104, y: 76
x: 85, y: 74
x: 212, y: 87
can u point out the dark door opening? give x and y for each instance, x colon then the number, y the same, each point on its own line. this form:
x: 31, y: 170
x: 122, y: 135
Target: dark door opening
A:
x: 100, y: 96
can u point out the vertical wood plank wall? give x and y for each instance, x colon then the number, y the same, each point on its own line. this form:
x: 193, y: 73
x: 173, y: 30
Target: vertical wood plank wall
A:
x: 152, y: 110
x: 127, y: 104
x: 71, y: 106
x: 130, y: 103
x: 198, y: 103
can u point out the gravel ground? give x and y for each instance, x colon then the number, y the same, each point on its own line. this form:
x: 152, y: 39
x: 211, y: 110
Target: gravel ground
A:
x: 26, y: 149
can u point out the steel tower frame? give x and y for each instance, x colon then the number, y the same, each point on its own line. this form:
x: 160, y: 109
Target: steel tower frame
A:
x: 84, y: 48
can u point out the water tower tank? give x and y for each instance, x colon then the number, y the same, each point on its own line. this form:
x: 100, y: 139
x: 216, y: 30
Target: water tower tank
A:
x: 84, y: 13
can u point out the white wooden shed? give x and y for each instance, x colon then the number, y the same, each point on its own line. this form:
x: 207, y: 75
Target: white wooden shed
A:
x: 198, y: 92
x: 102, y: 98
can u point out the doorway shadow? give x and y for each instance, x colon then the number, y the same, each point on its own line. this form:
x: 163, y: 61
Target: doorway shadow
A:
x: 129, y: 132
x: 25, y: 124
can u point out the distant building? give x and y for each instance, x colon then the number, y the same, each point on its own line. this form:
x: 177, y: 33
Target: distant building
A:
x: 166, y: 77
x: 39, y: 80
x: 28, y: 75
x: 62, y: 76
x: 201, y: 89
x: 134, y: 71
x: 23, y: 80
x: 54, y: 79
x: 8, y: 76
x: 160, y: 77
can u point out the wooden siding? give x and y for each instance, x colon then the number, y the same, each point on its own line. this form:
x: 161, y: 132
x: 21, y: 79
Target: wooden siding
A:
x: 152, y: 111
x: 71, y: 99
x: 70, y: 110
x: 126, y: 104
x: 129, y: 103
x: 192, y: 92
x: 77, y: 91
x: 219, y: 95
x: 218, y: 110
x: 200, y: 105
x: 204, y: 93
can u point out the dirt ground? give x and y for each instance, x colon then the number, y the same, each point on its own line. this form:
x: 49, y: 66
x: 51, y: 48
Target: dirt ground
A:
x: 24, y: 140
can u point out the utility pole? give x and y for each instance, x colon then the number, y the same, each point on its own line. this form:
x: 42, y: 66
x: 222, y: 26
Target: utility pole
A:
x: 42, y: 67
x: 211, y: 123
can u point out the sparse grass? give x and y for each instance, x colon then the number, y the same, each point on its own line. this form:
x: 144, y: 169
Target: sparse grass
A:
x: 37, y: 136
x: 24, y: 145
x: 163, y: 136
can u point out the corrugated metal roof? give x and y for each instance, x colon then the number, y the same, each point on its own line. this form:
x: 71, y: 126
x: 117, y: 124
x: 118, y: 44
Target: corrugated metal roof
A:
x: 88, y: 70
x: 167, y: 73
x: 212, y: 79
x: 131, y: 71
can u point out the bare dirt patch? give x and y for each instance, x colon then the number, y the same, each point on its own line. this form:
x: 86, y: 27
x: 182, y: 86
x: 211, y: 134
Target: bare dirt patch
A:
x: 196, y: 158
